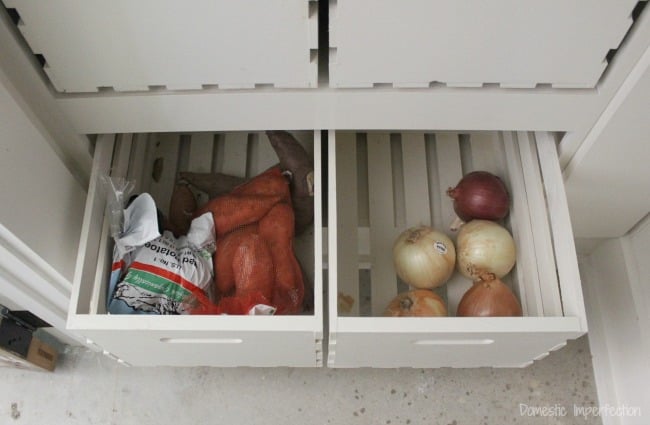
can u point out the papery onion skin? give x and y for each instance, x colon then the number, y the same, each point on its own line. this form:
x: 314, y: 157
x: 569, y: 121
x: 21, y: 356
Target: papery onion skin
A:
x: 484, y: 246
x: 423, y: 257
x: 489, y: 298
x: 480, y: 195
x: 416, y: 303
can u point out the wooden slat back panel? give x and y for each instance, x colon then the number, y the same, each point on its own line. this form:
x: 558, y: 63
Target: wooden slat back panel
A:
x: 200, y: 154
x: 448, y: 172
x: 346, y: 248
x: 163, y: 162
x: 382, y: 221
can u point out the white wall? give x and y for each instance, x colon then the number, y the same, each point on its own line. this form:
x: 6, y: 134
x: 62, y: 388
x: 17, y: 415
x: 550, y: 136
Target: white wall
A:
x: 40, y: 201
x: 607, y: 182
x: 616, y: 284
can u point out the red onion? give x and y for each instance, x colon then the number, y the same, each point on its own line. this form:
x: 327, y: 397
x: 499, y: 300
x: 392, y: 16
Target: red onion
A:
x: 482, y: 195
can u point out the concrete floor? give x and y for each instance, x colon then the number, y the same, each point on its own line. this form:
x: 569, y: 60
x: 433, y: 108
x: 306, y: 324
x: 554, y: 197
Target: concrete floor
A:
x: 88, y: 388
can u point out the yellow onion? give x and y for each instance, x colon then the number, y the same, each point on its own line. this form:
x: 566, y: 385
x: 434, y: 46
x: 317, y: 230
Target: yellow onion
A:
x: 424, y: 257
x: 484, y: 246
x: 489, y: 297
x: 416, y: 303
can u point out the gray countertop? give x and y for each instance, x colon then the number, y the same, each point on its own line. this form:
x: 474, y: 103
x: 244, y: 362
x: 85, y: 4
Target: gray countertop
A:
x: 88, y: 388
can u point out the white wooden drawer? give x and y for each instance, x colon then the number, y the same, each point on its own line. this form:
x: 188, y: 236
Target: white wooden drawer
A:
x: 178, y: 45
x: 190, y: 340
x: 512, y: 43
x: 381, y: 183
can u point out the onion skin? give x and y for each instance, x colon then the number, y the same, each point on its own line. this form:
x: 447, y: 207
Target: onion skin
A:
x: 483, y: 246
x: 416, y: 303
x: 489, y: 298
x: 480, y: 195
x: 423, y: 257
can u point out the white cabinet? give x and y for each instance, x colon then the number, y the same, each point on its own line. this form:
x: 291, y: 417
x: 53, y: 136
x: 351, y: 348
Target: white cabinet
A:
x: 467, y: 44
x: 125, y: 46
x: 436, y: 88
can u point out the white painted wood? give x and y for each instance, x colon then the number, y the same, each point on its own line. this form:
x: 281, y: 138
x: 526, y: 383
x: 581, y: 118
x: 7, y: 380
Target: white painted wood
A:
x: 630, y: 61
x: 133, y: 45
x: 446, y: 172
x: 618, y: 346
x: 234, y: 154
x: 607, y: 179
x: 119, y: 169
x: 442, y: 108
x: 541, y: 233
x: 347, y: 221
x: 186, y: 340
x: 382, y: 222
x: 163, y: 161
x: 29, y: 282
x: 87, y: 255
x: 563, y: 239
x: 200, y: 156
x: 21, y: 76
x: 262, y: 155
x: 453, y: 341
x: 416, y: 180
x: 449, y: 342
x: 526, y: 265
x: 136, y: 168
x: 449, y: 32
x: 42, y: 202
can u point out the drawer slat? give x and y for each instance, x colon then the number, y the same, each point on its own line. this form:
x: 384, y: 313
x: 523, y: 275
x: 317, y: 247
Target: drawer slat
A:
x: 540, y: 226
x: 347, y: 222
x: 448, y: 174
x: 526, y: 266
x: 382, y: 221
x: 200, y: 157
x: 234, y: 154
x: 119, y: 170
x: 163, y: 161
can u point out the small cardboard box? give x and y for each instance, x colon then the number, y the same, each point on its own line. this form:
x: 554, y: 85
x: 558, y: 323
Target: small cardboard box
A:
x: 39, y: 356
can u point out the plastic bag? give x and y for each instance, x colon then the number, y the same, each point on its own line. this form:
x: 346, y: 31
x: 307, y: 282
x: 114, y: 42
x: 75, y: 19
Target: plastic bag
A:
x: 118, y: 191
x: 158, y: 274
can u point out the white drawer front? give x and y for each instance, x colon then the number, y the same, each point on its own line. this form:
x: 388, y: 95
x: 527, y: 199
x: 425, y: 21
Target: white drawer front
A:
x: 191, y: 340
x: 136, y: 46
x: 471, y: 43
x: 382, y: 183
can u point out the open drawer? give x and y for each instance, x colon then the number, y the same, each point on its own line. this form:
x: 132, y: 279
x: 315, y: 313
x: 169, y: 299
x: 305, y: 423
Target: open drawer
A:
x: 382, y: 183
x: 153, y: 162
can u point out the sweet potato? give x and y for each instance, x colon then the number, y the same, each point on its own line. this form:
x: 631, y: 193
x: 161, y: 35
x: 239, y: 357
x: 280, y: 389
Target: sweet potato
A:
x: 270, y: 182
x: 232, y: 211
x: 181, y: 209
x: 277, y: 229
x: 253, y: 267
x: 295, y: 159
